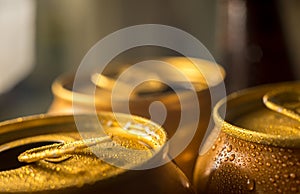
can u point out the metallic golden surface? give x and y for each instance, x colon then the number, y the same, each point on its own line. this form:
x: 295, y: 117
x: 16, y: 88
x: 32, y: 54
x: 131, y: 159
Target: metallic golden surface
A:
x: 285, y: 101
x: 250, y: 119
x: 143, y: 96
x: 182, y: 64
x: 59, y: 150
x: 257, y: 149
x: 79, y: 170
x: 82, y: 168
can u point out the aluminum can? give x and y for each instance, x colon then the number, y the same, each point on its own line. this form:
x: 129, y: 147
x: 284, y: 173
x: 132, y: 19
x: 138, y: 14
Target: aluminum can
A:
x: 140, y: 102
x: 257, y: 149
x: 42, y: 154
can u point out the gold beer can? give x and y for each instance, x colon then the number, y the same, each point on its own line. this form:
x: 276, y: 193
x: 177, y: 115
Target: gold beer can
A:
x: 143, y: 96
x: 46, y: 154
x: 257, y: 149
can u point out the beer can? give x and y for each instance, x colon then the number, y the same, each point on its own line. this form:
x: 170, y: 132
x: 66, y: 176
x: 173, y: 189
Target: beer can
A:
x: 258, y: 147
x: 46, y: 154
x: 144, y: 95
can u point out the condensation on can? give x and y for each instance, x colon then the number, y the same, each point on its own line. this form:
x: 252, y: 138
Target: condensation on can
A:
x: 82, y: 171
x: 256, y: 148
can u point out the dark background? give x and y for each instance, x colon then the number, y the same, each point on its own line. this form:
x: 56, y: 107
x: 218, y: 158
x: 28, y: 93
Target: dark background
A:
x: 255, y: 41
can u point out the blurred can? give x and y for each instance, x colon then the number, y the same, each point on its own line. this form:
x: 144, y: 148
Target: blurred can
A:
x: 28, y: 164
x: 258, y: 147
x: 144, y: 95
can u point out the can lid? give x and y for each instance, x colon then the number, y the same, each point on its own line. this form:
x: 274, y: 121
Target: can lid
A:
x: 200, y: 73
x: 267, y: 114
x: 97, y: 89
x: 70, y: 163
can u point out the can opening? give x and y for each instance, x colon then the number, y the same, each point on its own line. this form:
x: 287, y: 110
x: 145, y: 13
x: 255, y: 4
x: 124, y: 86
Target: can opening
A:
x: 11, y: 155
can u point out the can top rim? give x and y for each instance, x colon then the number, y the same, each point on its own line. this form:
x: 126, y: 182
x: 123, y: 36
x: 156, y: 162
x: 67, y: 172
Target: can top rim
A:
x: 186, y: 65
x: 292, y: 141
x: 56, y: 119
x: 60, y: 90
x: 38, y: 128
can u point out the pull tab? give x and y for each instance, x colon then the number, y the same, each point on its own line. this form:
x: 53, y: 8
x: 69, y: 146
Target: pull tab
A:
x: 286, y: 102
x: 59, y: 151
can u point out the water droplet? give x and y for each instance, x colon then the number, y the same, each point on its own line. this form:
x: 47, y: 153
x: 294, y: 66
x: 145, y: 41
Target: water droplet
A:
x: 252, y: 146
x: 232, y: 156
x: 291, y: 163
x: 258, y: 182
x: 294, y: 189
x: 229, y: 148
x: 213, y: 147
x: 276, y: 176
x: 250, y: 184
x: 109, y: 123
x: 287, y: 180
x: 293, y: 175
x: 27, y: 171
